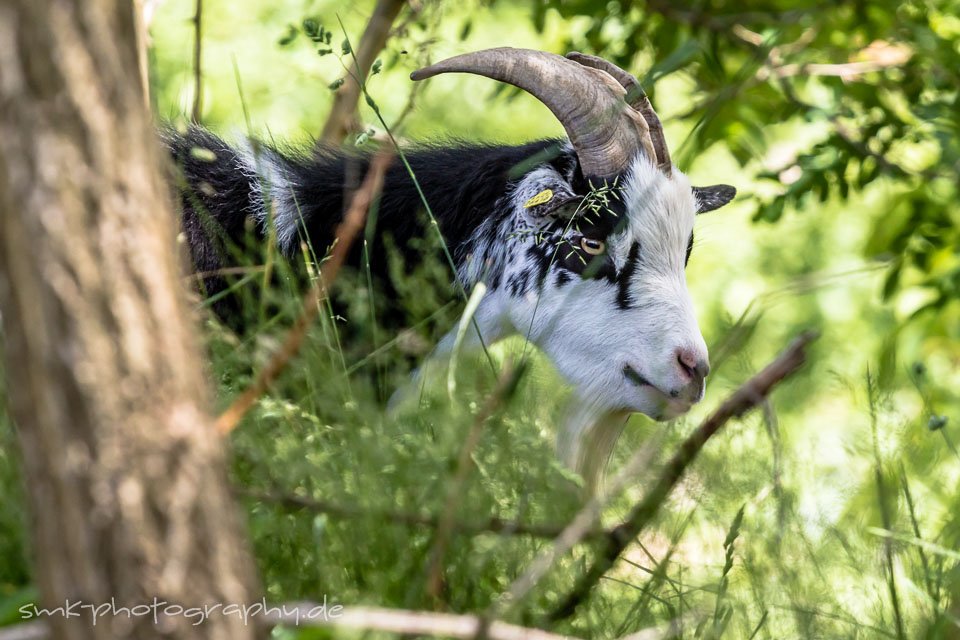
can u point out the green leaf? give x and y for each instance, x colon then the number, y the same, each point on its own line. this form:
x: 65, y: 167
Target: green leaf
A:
x: 892, y: 281
x: 336, y: 84
x: 345, y: 47
x: 734, y: 532
x: 10, y: 604
x: 377, y: 65
x: 678, y: 58
x: 770, y: 212
x: 888, y: 361
x: 289, y: 36
x: 890, y: 231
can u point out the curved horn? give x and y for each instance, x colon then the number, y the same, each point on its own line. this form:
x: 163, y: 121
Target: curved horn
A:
x: 605, y: 132
x: 637, y: 98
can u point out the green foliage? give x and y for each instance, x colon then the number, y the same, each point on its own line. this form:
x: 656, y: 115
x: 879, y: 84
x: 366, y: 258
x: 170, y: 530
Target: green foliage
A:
x: 800, y: 521
x: 14, y: 571
x: 875, y: 83
x: 871, y: 89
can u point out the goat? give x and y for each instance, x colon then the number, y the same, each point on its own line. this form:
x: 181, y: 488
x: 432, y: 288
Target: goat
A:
x: 582, y: 244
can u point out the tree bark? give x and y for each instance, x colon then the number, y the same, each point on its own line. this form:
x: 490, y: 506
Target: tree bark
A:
x: 125, y: 474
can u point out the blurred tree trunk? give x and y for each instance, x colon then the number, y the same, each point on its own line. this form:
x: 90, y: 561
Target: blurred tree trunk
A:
x: 125, y: 475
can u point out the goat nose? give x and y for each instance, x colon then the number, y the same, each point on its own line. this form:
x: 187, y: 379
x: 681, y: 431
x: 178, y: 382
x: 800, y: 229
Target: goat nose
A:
x: 692, y: 364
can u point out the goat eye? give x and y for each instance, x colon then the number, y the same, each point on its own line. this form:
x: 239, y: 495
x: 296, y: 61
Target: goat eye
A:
x: 591, y: 246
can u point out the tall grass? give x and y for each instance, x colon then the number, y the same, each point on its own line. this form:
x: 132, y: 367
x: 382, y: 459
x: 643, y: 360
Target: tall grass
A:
x: 830, y: 514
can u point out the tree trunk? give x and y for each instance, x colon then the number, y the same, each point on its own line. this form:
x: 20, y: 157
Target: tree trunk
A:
x: 125, y: 475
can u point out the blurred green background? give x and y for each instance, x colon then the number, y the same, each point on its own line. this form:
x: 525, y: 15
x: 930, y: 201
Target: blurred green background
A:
x: 838, y: 124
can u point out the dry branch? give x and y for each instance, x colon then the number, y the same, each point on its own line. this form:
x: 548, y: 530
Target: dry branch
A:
x: 342, y: 118
x: 494, y: 524
x: 743, y: 399
x: 581, y: 528
x: 36, y: 630
x: 407, y: 623
x: 199, y: 276
x: 878, y: 56
x: 347, y: 230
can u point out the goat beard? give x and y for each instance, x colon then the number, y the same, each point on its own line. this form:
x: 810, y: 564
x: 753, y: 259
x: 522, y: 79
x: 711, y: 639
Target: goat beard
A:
x: 586, y: 440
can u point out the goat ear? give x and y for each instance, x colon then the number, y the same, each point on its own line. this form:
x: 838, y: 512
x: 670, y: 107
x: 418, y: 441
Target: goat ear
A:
x: 713, y: 197
x: 559, y: 206
x: 548, y: 197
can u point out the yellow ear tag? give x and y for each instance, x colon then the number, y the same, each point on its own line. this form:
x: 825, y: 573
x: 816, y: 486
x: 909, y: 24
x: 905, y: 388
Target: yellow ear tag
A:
x: 544, y: 196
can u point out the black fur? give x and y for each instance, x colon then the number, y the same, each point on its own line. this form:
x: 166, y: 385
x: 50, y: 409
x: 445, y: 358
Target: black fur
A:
x: 713, y: 197
x: 461, y: 182
x: 223, y: 209
x: 624, y: 277
x: 215, y: 198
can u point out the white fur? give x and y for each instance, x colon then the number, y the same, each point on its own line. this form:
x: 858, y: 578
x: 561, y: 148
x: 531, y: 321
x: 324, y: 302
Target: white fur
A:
x: 272, y: 191
x: 580, y: 326
x: 494, y: 243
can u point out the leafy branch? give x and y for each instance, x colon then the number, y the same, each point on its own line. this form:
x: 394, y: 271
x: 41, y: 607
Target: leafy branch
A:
x: 342, y: 117
x: 748, y: 396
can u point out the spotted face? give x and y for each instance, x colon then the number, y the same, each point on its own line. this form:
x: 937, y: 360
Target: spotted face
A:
x: 596, y: 279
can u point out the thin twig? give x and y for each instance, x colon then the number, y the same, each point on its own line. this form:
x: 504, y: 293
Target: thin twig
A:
x: 856, y: 623
x: 200, y: 276
x: 743, y: 399
x: 509, y: 377
x: 426, y: 207
x: 342, y: 114
x: 869, y: 59
x: 876, y: 59
x: 578, y: 530
x: 493, y: 524
x: 347, y: 230
x: 197, y: 111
